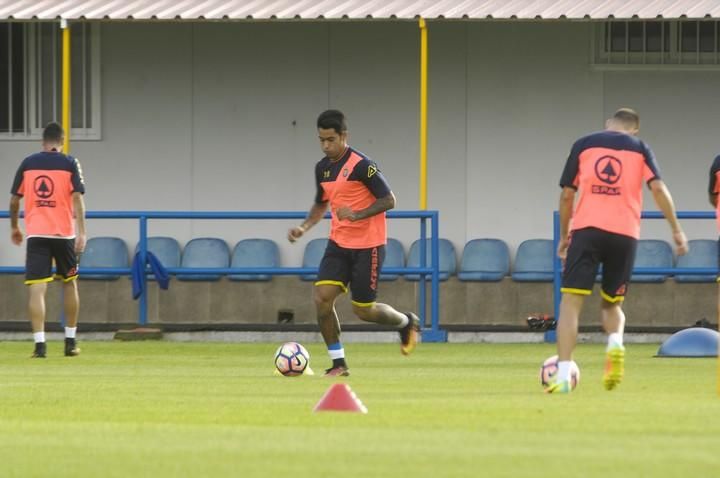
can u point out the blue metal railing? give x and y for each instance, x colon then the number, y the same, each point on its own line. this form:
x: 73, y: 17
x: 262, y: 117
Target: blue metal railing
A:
x: 432, y: 334
x: 557, y: 263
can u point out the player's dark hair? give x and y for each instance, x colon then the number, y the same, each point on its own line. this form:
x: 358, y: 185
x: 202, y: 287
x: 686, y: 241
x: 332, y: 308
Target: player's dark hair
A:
x: 53, y: 133
x: 628, y: 117
x: 332, y: 119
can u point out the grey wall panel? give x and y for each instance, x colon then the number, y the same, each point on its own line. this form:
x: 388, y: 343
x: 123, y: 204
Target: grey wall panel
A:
x: 257, y: 91
x: 144, y: 161
x: 447, y: 141
x: 530, y: 94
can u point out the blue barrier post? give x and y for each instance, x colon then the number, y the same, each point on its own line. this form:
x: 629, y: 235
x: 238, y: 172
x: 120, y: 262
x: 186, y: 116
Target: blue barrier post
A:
x: 422, y: 299
x: 550, y: 335
x: 435, y: 334
x: 142, y: 313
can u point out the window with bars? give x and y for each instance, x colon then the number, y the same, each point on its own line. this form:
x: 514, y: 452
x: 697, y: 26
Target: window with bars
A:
x: 31, y: 79
x: 658, y: 42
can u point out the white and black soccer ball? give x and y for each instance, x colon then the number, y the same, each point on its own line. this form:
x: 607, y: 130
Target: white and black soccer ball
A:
x: 550, y: 367
x: 292, y: 359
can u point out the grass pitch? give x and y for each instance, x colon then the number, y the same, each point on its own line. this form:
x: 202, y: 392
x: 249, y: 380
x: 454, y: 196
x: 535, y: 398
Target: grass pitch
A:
x: 216, y: 410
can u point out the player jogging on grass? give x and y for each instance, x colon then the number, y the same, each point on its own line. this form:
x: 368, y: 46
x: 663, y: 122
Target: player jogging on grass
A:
x: 358, y: 196
x: 51, y: 183
x: 608, y: 168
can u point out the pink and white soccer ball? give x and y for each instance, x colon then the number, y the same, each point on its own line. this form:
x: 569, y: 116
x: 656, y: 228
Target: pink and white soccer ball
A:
x: 550, y: 367
x: 291, y: 359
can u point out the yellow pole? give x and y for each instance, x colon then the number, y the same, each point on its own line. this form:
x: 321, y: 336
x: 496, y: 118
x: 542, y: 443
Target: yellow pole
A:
x: 66, y: 83
x: 423, y: 113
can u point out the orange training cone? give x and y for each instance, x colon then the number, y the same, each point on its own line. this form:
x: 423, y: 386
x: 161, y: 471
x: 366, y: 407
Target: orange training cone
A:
x: 340, y: 398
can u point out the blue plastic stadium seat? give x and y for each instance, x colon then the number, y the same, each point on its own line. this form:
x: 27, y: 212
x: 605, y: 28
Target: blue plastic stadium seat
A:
x: 484, y: 260
x: 534, y: 261
x: 394, y: 257
x: 204, y: 252
x: 702, y: 253
x: 166, y: 249
x: 448, y: 262
x: 652, y: 253
x: 314, y: 251
x: 254, y: 253
x: 104, y: 252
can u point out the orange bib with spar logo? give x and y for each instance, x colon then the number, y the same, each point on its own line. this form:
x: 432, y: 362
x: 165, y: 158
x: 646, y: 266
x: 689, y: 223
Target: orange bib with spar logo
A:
x: 47, y: 181
x: 609, y: 170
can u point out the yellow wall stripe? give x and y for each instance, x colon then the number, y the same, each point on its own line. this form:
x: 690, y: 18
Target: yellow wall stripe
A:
x: 66, y: 84
x: 423, y: 111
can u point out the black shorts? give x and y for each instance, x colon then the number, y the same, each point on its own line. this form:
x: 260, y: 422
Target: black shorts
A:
x: 39, y: 259
x: 360, y: 268
x: 590, y: 247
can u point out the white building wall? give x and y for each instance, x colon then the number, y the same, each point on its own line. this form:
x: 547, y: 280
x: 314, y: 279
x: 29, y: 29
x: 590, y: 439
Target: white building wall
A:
x: 220, y: 116
x: 530, y: 94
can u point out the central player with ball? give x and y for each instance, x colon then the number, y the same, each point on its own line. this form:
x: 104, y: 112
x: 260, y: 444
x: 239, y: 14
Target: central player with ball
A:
x: 358, y: 196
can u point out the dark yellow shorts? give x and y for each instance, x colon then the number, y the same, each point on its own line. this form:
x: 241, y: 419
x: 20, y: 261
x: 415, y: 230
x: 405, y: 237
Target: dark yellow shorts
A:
x: 590, y: 247
x: 39, y: 259
x: 358, y: 269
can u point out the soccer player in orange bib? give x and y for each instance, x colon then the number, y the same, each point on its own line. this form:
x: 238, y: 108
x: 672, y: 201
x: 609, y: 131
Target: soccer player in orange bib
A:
x: 52, y: 185
x: 358, y: 196
x: 607, y: 169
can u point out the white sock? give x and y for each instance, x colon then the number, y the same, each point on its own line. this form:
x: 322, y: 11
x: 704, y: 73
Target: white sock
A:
x: 70, y: 332
x: 336, y: 353
x: 404, y: 321
x: 563, y: 373
x: 39, y: 336
x: 615, y: 340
